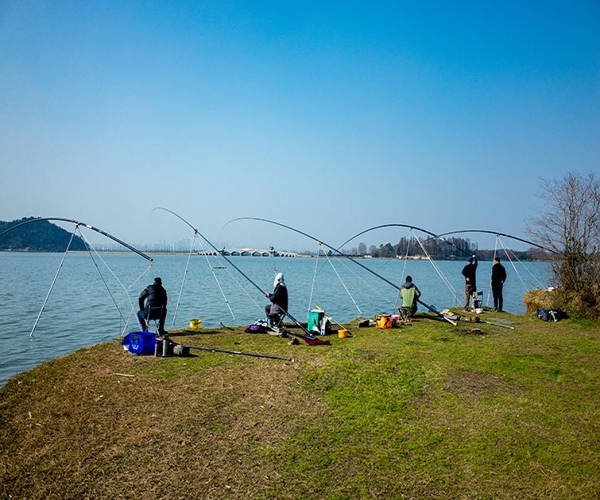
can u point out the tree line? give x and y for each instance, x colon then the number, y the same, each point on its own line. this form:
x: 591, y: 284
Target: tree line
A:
x: 454, y: 248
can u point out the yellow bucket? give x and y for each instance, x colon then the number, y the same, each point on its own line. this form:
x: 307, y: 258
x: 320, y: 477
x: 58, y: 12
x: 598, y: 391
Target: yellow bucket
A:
x: 196, y: 324
x: 342, y: 334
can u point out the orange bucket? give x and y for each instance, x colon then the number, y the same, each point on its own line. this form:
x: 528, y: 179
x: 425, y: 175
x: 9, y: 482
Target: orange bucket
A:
x: 342, y: 334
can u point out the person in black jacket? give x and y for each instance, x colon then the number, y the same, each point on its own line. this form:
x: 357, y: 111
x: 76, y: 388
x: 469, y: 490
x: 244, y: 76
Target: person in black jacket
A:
x: 153, y: 296
x: 279, y: 302
x: 498, y: 279
x: 469, y: 272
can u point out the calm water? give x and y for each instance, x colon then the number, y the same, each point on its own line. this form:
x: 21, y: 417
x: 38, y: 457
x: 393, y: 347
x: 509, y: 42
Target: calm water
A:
x: 94, y: 298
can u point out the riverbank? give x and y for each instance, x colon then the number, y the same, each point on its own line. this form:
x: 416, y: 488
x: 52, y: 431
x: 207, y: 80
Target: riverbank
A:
x: 427, y: 410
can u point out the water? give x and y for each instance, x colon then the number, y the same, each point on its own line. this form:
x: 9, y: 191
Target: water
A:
x: 94, y: 298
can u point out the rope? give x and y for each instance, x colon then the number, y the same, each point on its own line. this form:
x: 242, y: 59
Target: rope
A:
x: 52, y: 284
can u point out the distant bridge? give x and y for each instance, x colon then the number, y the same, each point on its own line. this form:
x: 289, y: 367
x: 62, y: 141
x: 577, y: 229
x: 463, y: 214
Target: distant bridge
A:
x: 249, y: 252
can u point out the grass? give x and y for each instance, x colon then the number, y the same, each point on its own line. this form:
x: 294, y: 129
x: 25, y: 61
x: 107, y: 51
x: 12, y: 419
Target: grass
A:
x: 427, y: 410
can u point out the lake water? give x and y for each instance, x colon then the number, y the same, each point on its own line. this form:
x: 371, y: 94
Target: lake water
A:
x: 92, y: 298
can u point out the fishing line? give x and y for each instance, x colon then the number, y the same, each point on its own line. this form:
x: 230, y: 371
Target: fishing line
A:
x: 487, y: 302
x: 312, y: 288
x: 344, y: 255
x: 187, y: 266
x: 88, y: 246
x: 508, y: 252
x: 403, y: 276
x: 440, y: 274
x: 217, y: 280
x: 344, y: 285
x: 126, y: 289
x: 308, y: 334
x: 53, y: 283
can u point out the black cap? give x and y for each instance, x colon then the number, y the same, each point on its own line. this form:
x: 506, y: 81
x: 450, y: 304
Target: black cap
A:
x: 158, y: 281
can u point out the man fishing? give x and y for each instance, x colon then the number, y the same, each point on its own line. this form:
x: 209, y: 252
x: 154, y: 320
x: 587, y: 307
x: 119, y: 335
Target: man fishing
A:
x: 469, y: 272
x: 279, y: 302
x: 498, y: 279
x: 153, y: 300
x: 409, y: 294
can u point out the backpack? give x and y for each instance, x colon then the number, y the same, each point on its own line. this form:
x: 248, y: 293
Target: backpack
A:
x: 550, y: 314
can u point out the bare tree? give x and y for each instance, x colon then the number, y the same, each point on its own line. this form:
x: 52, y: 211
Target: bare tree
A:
x: 569, y: 225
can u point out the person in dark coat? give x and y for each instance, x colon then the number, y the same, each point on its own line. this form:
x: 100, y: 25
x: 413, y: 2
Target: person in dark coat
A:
x: 153, y: 296
x: 279, y: 302
x: 498, y: 279
x: 469, y: 272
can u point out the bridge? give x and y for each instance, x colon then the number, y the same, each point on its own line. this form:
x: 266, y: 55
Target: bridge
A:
x: 249, y: 252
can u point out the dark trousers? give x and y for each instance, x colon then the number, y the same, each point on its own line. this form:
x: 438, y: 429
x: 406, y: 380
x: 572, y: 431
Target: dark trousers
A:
x: 497, y: 293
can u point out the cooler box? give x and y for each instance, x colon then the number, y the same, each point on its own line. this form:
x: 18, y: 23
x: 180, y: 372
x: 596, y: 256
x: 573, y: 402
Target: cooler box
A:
x: 315, y: 317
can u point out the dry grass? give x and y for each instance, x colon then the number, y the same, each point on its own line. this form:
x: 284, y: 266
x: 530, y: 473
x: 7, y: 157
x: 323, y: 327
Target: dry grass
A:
x: 425, y: 411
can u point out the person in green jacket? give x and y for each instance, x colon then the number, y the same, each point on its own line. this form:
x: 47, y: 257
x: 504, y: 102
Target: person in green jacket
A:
x: 410, y: 293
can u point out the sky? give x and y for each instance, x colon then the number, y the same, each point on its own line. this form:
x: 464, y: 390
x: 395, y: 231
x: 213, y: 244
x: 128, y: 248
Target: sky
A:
x: 330, y: 117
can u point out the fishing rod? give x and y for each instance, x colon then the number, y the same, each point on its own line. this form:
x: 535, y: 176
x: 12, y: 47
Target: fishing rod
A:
x: 310, y: 335
x: 78, y: 223
x: 335, y: 250
x: 240, y: 353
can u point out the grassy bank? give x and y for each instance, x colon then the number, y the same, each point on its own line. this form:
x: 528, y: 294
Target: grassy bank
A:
x: 427, y: 410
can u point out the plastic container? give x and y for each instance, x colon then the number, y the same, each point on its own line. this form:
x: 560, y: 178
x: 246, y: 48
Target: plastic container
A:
x: 342, y: 334
x: 196, y: 324
x: 383, y: 321
x: 315, y: 317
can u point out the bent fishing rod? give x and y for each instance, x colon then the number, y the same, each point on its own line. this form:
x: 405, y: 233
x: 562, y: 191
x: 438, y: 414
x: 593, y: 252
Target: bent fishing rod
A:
x: 496, y: 233
x: 342, y: 255
x: 79, y: 223
x: 234, y: 266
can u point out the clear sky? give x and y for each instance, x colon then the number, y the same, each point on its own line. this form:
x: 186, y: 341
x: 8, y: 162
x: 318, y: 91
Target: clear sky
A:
x: 330, y: 117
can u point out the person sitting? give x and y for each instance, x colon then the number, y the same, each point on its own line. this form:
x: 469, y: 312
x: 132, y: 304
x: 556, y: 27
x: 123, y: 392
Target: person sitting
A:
x: 409, y: 294
x: 153, y: 296
x: 279, y: 302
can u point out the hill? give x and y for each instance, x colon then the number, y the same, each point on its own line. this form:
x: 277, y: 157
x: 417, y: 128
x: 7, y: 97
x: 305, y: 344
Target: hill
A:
x: 39, y: 236
x: 424, y: 411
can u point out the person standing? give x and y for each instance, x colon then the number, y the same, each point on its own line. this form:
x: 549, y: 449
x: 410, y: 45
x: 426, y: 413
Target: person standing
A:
x: 410, y: 294
x: 498, y: 279
x: 154, y: 296
x: 469, y: 272
x: 279, y: 302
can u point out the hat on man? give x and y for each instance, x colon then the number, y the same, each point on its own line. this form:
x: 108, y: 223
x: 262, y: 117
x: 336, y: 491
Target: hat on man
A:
x: 158, y: 281
x: 470, y: 259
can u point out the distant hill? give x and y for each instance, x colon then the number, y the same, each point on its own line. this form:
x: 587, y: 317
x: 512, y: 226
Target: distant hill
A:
x: 40, y: 236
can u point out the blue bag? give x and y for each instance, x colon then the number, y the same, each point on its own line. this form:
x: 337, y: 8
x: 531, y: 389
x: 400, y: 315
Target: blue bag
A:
x: 140, y: 343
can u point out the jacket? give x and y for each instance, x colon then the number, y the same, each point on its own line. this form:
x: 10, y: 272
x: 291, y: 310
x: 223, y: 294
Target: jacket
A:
x: 154, y: 295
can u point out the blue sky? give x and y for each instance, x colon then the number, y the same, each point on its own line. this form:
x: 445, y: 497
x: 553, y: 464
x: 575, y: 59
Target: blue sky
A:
x: 330, y: 117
